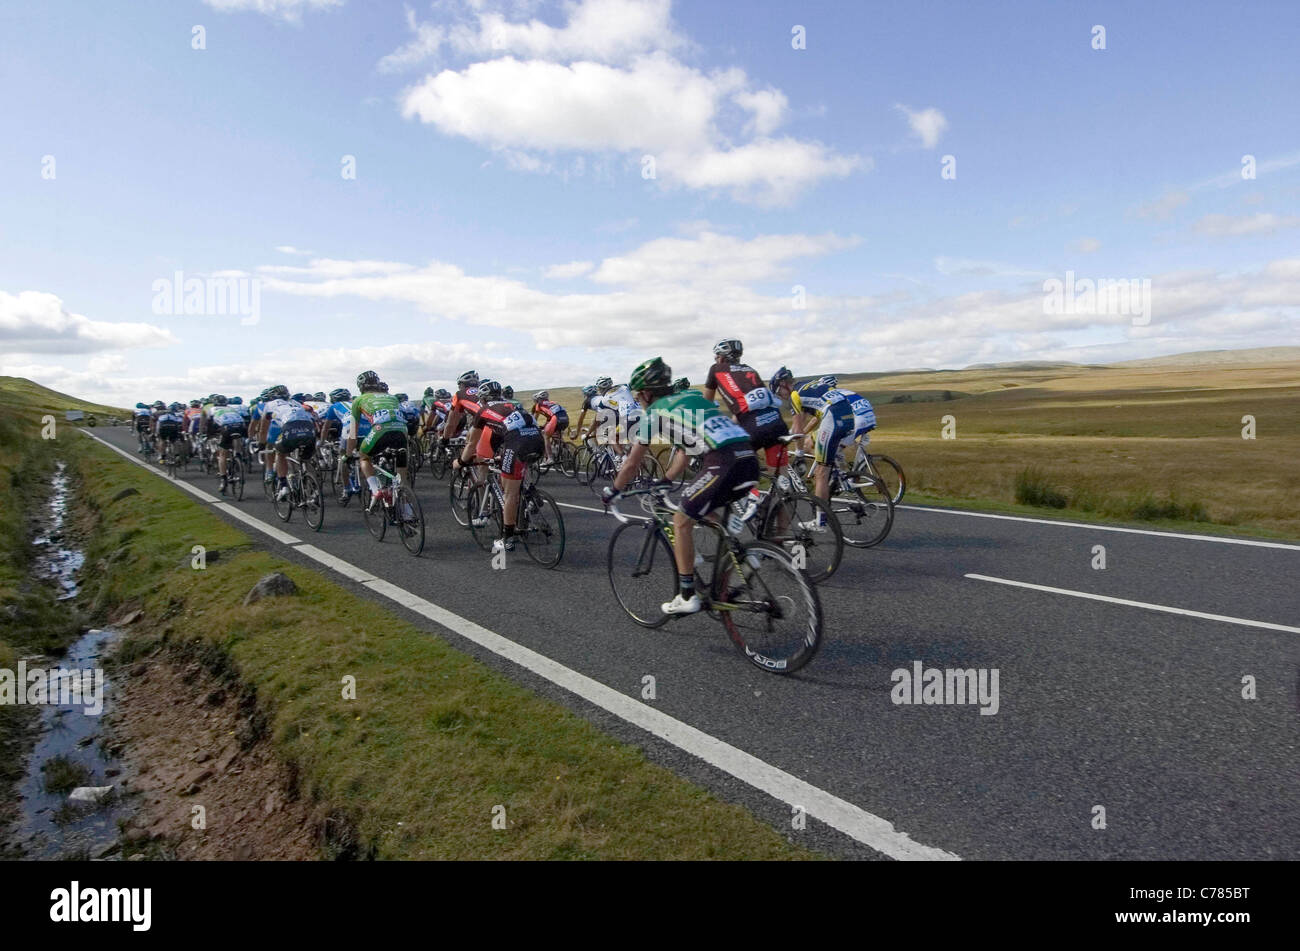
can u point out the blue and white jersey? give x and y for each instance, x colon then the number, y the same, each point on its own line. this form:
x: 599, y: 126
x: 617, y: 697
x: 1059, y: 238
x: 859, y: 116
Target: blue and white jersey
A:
x: 409, y: 410
x: 173, y: 418
x: 228, y: 416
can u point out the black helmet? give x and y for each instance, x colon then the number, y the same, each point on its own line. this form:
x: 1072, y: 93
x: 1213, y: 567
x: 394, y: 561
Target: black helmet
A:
x: 383, y: 387
x: 441, y: 394
x: 428, y: 391
x: 367, y: 380
x: 489, y: 390
x: 508, y: 392
x: 468, y: 378
x: 402, y: 397
x: 654, y: 374
x: 175, y: 407
x: 278, y: 392
x: 731, y: 349
x: 319, y: 396
x: 782, y: 375
x: 604, y: 383
x: 220, y: 400
x: 194, y: 404
x: 341, y: 395
x: 159, y: 404
x: 681, y: 384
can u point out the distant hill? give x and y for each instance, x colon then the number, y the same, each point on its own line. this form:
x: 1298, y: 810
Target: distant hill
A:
x: 1219, y: 358
x: 19, y: 395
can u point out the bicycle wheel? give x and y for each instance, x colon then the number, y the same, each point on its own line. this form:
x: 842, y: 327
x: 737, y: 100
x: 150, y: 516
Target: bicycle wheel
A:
x: 492, y: 527
x: 285, y: 505
x: 595, y: 472
x: 564, y: 458
x: 439, y: 463
x: 582, y: 462
x: 313, y: 501
x: 268, y: 480
x: 805, y: 524
x: 642, y: 573
x: 170, y: 455
x: 650, y: 471
x: 861, y: 505
x: 882, y: 467
x: 235, y: 477
x: 376, y: 518
x: 410, y: 519
x: 458, y: 490
x: 542, y: 526
x: 769, y: 607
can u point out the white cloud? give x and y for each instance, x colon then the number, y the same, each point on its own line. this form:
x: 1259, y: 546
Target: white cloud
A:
x: 1085, y: 246
x: 1231, y: 226
x: 561, y: 272
x: 927, y: 124
x: 290, y: 10
x: 290, y: 249
x: 37, y: 322
x: 608, y: 82
x: 424, y: 45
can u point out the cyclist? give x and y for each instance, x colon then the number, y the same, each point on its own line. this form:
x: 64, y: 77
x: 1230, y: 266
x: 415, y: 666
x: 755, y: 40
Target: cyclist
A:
x: 169, y: 427
x: 617, y: 412
x: 193, y: 419
x: 410, y: 412
x: 681, y: 385
x: 232, y: 429
x: 437, y: 403
x: 753, y: 405
x: 728, y: 469
x: 838, y: 415
x: 499, y: 426
x: 464, y: 404
x: 142, y: 420
x: 286, y: 426
x: 552, y: 417
x: 384, y: 429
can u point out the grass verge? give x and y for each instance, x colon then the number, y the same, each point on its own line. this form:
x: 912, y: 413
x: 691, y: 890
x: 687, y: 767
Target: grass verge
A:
x: 435, y: 745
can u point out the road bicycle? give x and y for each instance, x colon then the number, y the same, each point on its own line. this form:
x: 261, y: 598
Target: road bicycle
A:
x: 395, y: 504
x: 325, y: 460
x: 538, y: 522
x: 768, y: 606
x: 604, y: 463
x: 440, y: 456
x: 861, y: 502
x: 885, y: 468
x: 235, y: 472
x: 304, y: 492
x: 171, y: 456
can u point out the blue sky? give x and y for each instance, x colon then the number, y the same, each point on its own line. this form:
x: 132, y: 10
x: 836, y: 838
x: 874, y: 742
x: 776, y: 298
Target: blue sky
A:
x: 499, y: 217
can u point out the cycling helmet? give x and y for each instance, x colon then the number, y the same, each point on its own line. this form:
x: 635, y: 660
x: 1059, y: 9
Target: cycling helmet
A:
x: 428, y: 391
x: 341, y: 395
x: 140, y: 406
x: 278, y: 392
x: 468, y: 378
x: 368, y: 380
x: 508, y: 392
x: 194, y: 404
x: 235, y: 401
x: 589, y: 391
x: 176, y: 407
x: 300, y: 397
x: 319, y: 396
x: 220, y: 401
x: 782, y: 375
x: 603, y: 384
x: 159, y: 404
x: 828, y: 380
x: 731, y: 349
x: 681, y: 385
x: 383, y: 387
x: 541, y: 396
x: 402, y: 397
x: 441, y: 394
x: 654, y: 374
x: 489, y: 391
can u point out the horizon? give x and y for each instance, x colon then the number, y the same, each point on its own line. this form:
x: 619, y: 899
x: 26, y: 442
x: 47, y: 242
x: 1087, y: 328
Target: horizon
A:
x: 221, y: 195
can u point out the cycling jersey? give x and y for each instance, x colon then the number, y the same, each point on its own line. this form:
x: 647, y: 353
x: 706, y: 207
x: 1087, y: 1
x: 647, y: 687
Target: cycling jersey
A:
x: 336, y: 417
x: 193, y: 416
x: 618, y: 409
x: 741, y: 388
x: 842, y: 414
x: 410, y: 412
x: 169, y: 425
x: 374, y: 416
x: 511, y: 430
x: 690, y: 422
x: 553, y: 414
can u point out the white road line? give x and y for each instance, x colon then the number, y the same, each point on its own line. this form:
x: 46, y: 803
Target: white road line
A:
x: 586, y: 508
x: 1106, y: 528
x: 1245, y: 622
x: 853, y: 821
x: 148, y: 467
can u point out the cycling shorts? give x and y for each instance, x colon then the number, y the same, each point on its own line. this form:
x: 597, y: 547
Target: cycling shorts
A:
x: 230, y: 433
x: 518, y: 449
x: 297, y: 434
x: 765, y: 428
x: 726, y: 475
x: 839, y: 423
x: 388, y: 436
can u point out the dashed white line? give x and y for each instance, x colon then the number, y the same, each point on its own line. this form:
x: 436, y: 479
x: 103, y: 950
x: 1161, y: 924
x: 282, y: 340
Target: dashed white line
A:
x: 853, y: 821
x: 1107, y: 528
x: 1245, y: 622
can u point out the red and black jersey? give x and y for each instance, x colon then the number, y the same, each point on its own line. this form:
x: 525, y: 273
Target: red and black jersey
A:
x: 740, y: 387
x: 503, y: 416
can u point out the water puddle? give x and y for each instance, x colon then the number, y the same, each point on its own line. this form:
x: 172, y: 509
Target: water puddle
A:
x: 53, y: 560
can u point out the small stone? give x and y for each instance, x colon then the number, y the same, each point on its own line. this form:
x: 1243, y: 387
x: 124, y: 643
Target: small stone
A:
x: 124, y: 493
x: 202, y: 756
x: 138, y: 857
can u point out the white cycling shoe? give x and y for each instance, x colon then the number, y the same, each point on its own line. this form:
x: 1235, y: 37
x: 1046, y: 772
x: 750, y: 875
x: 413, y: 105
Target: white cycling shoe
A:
x: 680, y: 605
x: 813, y: 525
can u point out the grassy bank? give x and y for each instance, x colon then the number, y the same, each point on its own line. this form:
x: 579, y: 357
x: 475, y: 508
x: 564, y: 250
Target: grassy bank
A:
x: 433, y: 741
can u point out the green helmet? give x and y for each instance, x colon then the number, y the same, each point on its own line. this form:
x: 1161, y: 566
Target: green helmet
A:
x: 654, y: 374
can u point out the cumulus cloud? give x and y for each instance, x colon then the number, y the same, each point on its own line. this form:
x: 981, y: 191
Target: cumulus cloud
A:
x: 928, y: 125
x: 561, y: 272
x: 1085, y: 246
x: 37, y: 322
x: 606, y: 84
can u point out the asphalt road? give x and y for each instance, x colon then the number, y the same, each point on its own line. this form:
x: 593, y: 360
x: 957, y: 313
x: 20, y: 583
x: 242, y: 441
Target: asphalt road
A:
x: 1105, y: 704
